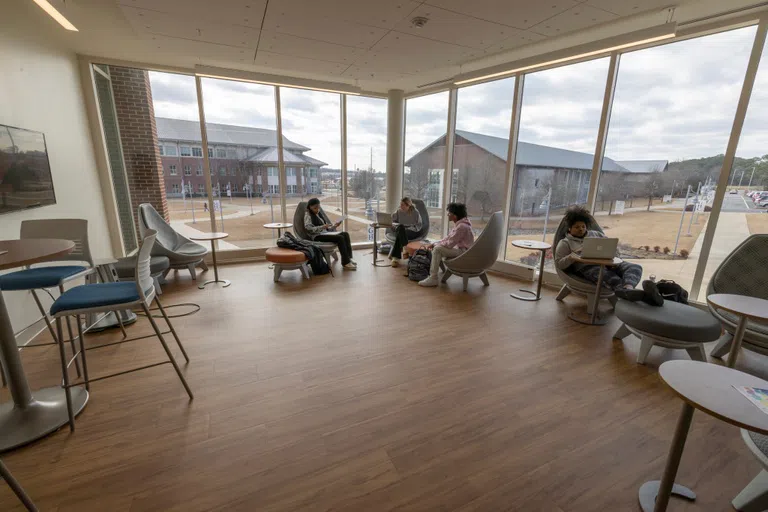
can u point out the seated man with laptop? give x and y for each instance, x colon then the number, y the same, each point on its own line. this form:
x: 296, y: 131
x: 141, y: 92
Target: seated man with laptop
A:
x: 406, y: 223
x: 578, y: 243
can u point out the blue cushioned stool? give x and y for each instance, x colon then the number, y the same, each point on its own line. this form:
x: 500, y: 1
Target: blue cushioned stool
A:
x: 107, y: 297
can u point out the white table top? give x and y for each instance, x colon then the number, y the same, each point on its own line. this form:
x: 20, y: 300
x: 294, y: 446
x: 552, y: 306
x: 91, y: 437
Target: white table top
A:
x: 532, y: 244
x: 741, y: 305
x: 278, y: 225
x: 709, y: 388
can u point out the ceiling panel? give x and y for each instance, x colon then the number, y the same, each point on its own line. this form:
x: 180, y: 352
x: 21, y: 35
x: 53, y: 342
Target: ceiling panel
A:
x: 578, y: 18
x: 368, y: 75
x: 287, y: 44
x: 301, y: 64
x: 451, y: 27
x: 629, y: 7
x: 516, y: 40
x: 234, y: 12
x: 202, y: 51
x: 376, y: 13
x: 158, y: 23
x: 405, y: 53
x: 288, y: 18
x: 514, y: 13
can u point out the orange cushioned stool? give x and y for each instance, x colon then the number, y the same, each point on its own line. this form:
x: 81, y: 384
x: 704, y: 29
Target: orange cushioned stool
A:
x: 287, y: 259
x: 412, y: 247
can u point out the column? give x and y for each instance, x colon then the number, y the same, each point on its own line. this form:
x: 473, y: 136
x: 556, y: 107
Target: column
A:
x: 395, y: 134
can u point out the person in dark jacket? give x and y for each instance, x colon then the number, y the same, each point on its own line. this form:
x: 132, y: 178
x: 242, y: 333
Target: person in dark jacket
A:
x: 320, y: 229
x: 313, y: 254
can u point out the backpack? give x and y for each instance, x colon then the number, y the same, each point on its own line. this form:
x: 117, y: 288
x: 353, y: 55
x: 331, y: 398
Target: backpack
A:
x: 418, y: 265
x: 672, y: 291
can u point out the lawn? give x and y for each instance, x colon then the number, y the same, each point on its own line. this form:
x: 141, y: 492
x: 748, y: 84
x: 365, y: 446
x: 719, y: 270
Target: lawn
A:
x: 757, y: 223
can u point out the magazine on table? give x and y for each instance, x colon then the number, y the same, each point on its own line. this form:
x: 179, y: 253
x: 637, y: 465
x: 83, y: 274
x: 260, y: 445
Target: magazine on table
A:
x: 757, y: 396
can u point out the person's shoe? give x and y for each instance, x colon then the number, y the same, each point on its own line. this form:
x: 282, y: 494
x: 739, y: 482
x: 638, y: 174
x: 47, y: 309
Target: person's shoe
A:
x: 652, y: 295
x: 352, y: 261
x: 431, y: 281
x: 349, y: 266
x: 630, y: 294
x: 395, y: 262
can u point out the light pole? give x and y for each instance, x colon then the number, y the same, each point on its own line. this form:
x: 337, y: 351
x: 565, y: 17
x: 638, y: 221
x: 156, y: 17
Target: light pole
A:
x: 751, y: 176
x: 679, y: 229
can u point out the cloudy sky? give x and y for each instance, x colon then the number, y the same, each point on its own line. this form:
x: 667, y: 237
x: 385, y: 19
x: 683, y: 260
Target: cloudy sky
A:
x: 672, y: 102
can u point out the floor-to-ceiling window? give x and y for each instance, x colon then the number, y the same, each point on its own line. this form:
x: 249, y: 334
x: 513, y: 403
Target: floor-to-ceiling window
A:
x: 426, y: 120
x: 242, y: 147
x: 672, y: 115
x: 366, y: 161
x: 481, y: 142
x: 744, y: 208
x: 559, y: 119
x: 311, y: 122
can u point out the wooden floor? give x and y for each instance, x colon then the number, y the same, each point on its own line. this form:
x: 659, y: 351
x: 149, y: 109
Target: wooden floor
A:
x: 365, y: 392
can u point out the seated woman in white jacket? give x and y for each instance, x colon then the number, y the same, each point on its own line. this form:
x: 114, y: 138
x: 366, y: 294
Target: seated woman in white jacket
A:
x: 320, y: 228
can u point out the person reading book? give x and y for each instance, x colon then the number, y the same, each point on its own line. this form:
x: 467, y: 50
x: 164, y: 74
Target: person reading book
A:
x: 406, y: 223
x: 320, y: 229
x: 621, y: 277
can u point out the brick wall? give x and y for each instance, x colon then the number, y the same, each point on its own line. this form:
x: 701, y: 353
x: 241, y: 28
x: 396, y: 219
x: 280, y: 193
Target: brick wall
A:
x: 138, y: 134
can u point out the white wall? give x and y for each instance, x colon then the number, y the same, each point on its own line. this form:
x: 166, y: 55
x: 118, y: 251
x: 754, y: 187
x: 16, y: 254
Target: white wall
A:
x: 40, y: 90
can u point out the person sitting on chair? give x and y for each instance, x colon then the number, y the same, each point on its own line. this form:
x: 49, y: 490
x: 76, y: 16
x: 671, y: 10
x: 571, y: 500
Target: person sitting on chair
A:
x: 459, y: 239
x: 320, y: 228
x: 406, y: 222
x: 622, y: 278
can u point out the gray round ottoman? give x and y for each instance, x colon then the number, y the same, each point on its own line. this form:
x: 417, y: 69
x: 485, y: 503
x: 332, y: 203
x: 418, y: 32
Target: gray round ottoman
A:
x: 672, y: 325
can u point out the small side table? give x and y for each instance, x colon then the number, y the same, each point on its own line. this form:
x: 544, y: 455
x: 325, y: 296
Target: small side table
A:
x: 708, y: 388
x: 212, y: 237
x: 543, y: 247
x: 746, y: 308
x: 376, y: 262
x: 594, y: 319
x: 279, y: 226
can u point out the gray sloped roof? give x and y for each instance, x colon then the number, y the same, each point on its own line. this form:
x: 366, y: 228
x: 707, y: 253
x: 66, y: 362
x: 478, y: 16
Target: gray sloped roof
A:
x: 179, y: 129
x: 269, y: 155
x: 644, y: 166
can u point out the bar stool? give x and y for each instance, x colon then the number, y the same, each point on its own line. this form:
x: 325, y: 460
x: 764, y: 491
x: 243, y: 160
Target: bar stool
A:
x: 105, y: 297
x: 16, y: 487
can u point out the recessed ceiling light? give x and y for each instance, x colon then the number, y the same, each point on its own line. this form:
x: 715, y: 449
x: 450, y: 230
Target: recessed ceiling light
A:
x: 53, y: 13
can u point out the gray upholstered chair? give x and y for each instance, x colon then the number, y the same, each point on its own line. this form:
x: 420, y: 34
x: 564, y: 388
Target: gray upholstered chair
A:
x: 329, y: 248
x: 577, y: 285
x: 475, y: 261
x: 389, y: 234
x: 181, y: 252
x: 743, y: 272
x: 754, y: 497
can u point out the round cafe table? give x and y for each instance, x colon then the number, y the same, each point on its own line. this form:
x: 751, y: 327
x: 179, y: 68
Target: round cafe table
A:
x: 212, y: 237
x: 594, y: 318
x: 711, y: 389
x: 29, y: 417
x: 542, y: 247
x: 279, y: 226
x: 746, y: 308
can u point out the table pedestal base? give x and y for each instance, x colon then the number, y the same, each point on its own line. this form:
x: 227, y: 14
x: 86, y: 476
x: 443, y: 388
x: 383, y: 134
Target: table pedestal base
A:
x: 225, y: 283
x: 533, y: 298
x: 649, y: 491
x: 580, y: 315
x: 45, y: 414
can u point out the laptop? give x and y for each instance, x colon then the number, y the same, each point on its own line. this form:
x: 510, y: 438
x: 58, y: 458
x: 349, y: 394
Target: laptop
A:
x: 384, y: 219
x: 599, y: 248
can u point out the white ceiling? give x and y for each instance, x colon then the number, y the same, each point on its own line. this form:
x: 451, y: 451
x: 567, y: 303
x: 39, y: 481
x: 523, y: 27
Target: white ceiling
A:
x: 369, y: 43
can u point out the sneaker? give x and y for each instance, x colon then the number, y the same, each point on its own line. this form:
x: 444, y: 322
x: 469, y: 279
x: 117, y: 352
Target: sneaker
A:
x: 352, y: 261
x: 652, y: 295
x: 429, y: 282
x: 630, y: 294
x: 349, y: 266
x: 395, y: 262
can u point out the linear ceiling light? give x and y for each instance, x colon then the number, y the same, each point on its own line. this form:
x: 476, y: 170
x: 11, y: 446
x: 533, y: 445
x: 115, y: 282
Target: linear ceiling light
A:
x: 641, y: 37
x: 261, y: 82
x: 53, y: 13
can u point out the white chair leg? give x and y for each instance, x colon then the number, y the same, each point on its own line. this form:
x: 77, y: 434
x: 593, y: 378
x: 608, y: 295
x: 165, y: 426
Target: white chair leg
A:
x: 723, y: 345
x: 484, y: 279
x: 166, y: 272
x: 564, y: 292
x: 466, y: 282
x: 335, y: 255
x: 754, y: 497
x: 304, y: 271
x: 278, y: 271
x: 697, y: 353
x: 192, y: 271
x: 203, y: 265
x: 158, y: 289
x: 645, y: 347
x: 447, y: 274
x: 622, y: 333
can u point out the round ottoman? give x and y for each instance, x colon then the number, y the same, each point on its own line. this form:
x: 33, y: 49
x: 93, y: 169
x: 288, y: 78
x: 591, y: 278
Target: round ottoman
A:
x: 287, y: 259
x: 672, y: 325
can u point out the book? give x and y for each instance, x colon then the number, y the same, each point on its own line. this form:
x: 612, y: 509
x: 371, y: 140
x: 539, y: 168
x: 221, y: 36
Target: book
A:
x: 757, y: 396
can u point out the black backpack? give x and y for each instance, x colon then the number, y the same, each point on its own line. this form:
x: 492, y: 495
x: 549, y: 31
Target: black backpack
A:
x: 418, y: 265
x: 672, y: 291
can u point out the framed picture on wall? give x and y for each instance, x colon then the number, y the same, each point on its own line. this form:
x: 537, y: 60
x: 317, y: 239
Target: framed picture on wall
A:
x: 25, y: 172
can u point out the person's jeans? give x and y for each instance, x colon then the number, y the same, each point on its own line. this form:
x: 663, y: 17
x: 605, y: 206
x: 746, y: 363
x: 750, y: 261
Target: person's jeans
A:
x: 614, y: 277
x: 342, y: 241
x: 402, y: 237
x: 439, y: 253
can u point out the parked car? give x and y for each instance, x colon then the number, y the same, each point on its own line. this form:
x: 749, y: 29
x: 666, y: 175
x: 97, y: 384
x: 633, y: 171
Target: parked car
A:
x: 733, y: 192
x: 763, y: 203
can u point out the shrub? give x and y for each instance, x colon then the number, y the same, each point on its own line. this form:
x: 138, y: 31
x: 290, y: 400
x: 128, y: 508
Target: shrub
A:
x: 656, y: 248
x: 684, y: 253
x: 667, y: 250
x: 646, y: 247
